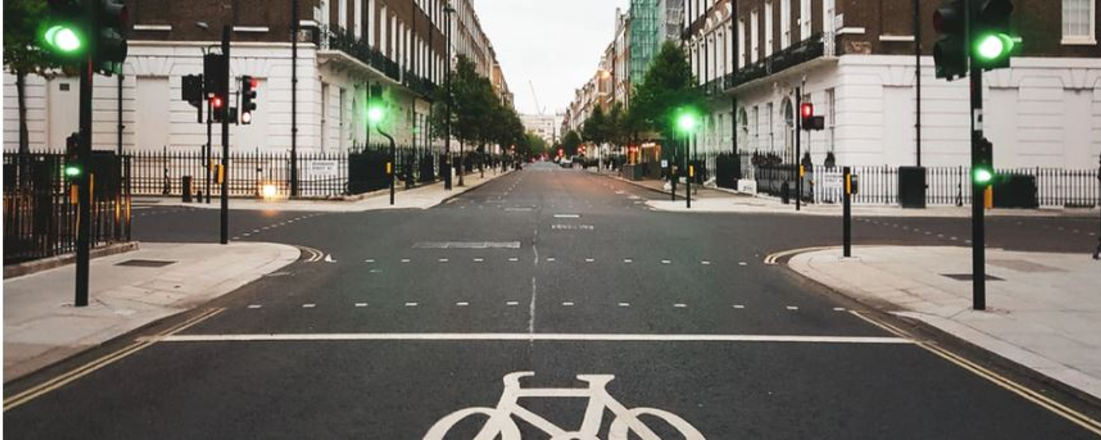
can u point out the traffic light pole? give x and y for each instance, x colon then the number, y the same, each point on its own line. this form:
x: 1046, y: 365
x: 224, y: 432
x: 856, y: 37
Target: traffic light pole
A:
x: 798, y: 149
x: 84, y: 186
x: 208, y: 149
x: 978, y: 189
x: 225, y: 137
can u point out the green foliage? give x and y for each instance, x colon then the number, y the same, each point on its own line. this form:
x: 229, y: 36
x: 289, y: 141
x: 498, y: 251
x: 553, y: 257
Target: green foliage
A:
x: 477, y: 115
x: 667, y: 86
x: 596, y: 127
x: 570, y: 142
x: 22, y: 53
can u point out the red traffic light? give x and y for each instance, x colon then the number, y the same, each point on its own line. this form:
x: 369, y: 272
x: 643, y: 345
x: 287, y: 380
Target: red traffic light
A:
x: 254, y: 83
x: 216, y: 102
x: 806, y: 110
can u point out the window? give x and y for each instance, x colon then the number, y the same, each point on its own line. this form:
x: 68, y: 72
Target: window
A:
x: 743, y: 121
x: 804, y: 19
x: 741, y: 43
x: 1078, y: 21
x: 771, y: 128
x: 785, y: 24
x: 831, y: 112
x: 756, y: 127
x: 768, y: 29
x: 754, y: 36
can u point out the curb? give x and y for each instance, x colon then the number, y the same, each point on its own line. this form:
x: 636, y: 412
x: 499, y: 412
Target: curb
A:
x: 470, y: 188
x: 883, y: 311
x: 31, y: 267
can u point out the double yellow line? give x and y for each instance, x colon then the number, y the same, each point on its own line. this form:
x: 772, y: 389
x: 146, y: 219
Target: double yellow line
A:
x: 1063, y: 411
x: 86, y: 369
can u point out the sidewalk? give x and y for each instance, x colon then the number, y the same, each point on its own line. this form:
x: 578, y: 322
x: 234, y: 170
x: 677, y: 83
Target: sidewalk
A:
x: 41, y: 327
x: 722, y: 200
x: 423, y: 197
x: 1043, y: 314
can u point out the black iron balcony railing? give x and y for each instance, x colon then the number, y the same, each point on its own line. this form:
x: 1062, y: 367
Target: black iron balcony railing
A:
x: 794, y: 55
x: 336, y: 38
x: 421, y: 85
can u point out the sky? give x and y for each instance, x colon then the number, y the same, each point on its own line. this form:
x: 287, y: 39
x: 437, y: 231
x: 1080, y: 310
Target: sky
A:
x: 554, y: 44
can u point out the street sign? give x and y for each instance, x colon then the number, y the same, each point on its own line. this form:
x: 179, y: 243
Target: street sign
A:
x: 323, y: 168
x: 832, y: 181
x: 664, y: 163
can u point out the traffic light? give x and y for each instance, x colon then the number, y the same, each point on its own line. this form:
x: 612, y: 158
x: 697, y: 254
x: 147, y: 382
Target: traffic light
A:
x: 376, y: 105
x: 64, y: 33
x: 248, y: 98
x: 112, y: 19
x: 950, y: 50
x: 215, y: 76
x: 993, y: 43
x: 983, y: 174
x: 806, y: 111
x: 73, y: 169
x: 686, y: 120
x: 192, y: 89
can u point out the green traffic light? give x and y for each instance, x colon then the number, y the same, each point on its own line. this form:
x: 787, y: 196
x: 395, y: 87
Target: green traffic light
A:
x: 64, y: 39
x: 375, y: 114
x: 983, y: 175
x: 994, y: 46
x: 686, y: 121
x: 72, y: 171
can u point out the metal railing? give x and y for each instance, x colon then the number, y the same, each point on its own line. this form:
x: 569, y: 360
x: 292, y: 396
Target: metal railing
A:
x: 40, y: 218
x: 161, y: 173
x: 337, y: 38
x: 798, y: 53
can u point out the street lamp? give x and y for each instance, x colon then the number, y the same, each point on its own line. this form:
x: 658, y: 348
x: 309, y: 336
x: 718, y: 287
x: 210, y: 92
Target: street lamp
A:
x: 376, y: 114
x: 447, y: 134
x: 686, y: 121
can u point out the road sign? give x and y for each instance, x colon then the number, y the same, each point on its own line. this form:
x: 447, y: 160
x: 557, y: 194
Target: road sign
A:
x: 323, y: 168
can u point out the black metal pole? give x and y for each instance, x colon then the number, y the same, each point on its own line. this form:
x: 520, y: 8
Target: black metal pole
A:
x: 691, y: 171
x: 208, y: 149
x: 390, y: 164
x: 120, y: 125
x: 84, y: 186
x: 798, y: 148
x: 673, y: 166
x: 447, y: 135
x: 978, y: 191
x: 294, y: 97
x: 917, y: 78
x: 848, y: 212
x: 225, y: 136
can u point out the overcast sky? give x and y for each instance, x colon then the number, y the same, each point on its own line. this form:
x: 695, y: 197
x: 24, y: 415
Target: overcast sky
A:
x: 555, y: 44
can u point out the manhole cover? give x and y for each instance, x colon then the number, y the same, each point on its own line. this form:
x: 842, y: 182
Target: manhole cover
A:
x: 145, y: 263
x: 968, y: 277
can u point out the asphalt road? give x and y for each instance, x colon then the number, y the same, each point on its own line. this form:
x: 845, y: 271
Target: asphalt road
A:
x: 420, y: 314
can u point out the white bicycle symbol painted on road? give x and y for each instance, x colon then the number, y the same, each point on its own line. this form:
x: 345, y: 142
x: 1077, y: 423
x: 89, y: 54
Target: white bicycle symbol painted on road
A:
x: 501, y: 424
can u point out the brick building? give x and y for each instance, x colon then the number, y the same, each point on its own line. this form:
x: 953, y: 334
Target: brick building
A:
x: 855, y: 60
x: 344, y: 45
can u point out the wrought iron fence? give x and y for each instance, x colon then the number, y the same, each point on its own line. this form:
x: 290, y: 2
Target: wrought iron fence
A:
x: 40, y: 218
x: 320, y: 174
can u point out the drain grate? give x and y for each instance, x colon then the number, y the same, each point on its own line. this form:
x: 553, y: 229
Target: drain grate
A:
x: 145, y: 263
x: 968, y: 277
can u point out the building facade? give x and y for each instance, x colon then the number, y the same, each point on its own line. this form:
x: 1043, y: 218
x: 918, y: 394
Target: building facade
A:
x: 343, y: 47
x: 858, y: 63
x: 544, y: 126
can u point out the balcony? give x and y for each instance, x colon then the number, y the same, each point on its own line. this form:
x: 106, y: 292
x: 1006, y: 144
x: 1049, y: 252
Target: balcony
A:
x: 420, y: 85
x: 336, y: 38
x: 798, y: 53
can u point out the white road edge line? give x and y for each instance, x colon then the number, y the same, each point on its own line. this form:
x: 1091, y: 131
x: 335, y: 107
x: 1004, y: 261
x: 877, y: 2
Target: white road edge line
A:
x: 529, y: 336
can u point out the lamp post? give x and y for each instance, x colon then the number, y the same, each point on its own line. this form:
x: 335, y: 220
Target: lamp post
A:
x: 376, y: 113
x: 686, y: 125
x: 447, y: 135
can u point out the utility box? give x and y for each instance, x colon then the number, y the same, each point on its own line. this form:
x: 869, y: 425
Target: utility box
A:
x: 1016, y: 191
x: 911, y: 187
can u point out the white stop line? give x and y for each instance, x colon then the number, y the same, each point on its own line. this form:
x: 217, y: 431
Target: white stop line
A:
x: 620, y: 337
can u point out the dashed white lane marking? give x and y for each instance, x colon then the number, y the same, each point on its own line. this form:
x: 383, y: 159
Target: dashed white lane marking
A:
x: 705, y: 263
x: 329, y: 258
x: 411, y: 304
x: 628, y: 260
x: 625, y: 304
x: 462, y: 304
x: 839, y: 309
x: 479, y: 260
x: 512, y: 303
x: 680, y: 305
x: 739, y: 306
x: 589, y: 260
x: 567, y: 216
x: 443, y: 260
x: 792, y: 308
x: 404, y: 260
x: 568, y: 304
x: 665, y: 262
x: 254, y: 306
x: 246, y: 234
x: 308, y: 306
x: 361, y: 305
x: 551, y: 259
x: 742, y: 263
x: 953, y: 238
x: 369, y: 260
x: 513, y: 259
x: 529, y: 337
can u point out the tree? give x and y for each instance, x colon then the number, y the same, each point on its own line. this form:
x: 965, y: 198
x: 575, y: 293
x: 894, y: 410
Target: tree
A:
x: 667, y: 86
x: 474, y: 106
x: 22, y: 55
x: 595, y: 128
x: 570, y: 142
x: 617, y: 131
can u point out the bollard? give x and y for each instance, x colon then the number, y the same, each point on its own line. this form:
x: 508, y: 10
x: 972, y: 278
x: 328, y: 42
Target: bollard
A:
x: 186, y: 189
